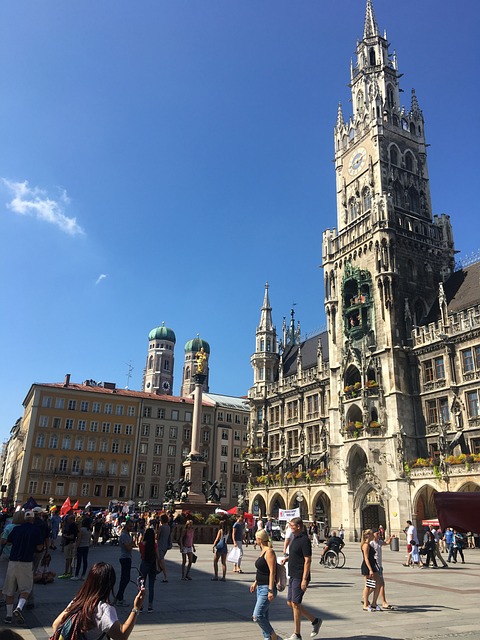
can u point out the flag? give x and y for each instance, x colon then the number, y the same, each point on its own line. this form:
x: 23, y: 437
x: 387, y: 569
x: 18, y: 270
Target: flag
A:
x: 29, y: 504
x: 66, y: 507
x: 88, y: 505
x: 75, y: 506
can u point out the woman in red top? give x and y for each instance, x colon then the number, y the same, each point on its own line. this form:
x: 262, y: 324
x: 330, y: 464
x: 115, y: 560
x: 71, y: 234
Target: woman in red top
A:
x: 150, y: 559
x: 187, y: 548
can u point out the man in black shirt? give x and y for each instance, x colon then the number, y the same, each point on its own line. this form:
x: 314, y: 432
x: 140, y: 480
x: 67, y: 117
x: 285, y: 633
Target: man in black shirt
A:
x: 299, y: 562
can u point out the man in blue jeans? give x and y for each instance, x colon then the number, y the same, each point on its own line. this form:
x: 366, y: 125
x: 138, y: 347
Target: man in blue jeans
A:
x: 299, y: 563
x: 126, y: 545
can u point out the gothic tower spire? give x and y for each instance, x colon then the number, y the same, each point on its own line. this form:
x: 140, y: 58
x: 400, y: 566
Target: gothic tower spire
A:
x: 371, y: 26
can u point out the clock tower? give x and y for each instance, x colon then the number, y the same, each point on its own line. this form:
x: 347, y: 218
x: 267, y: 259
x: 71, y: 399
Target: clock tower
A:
x: 384, y: 260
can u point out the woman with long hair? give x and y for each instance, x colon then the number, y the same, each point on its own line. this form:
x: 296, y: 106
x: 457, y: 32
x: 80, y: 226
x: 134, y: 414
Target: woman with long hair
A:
x: 220, y: 550
x: 264, y: 585
x: 187, y: 548
x: 369, y: 570
x: 150, y: 562
x: 97, y: 616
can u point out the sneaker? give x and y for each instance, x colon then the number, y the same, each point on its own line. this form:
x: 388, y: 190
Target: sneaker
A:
x: 316, y: 627
x: 65, y: 576
x: 8, y: 620
x: 294, y: 637
x: 19, y: 616
x: 150, y: 609
x: 76, y: 578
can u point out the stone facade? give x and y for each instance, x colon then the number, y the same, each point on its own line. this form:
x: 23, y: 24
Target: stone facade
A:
x: 339, y: 420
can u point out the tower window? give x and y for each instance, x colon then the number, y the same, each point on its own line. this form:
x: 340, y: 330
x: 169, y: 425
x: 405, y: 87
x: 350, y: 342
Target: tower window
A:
x: 394, y: 155
x: 372, y: 57
x: 390, y: 98
x: 367, y: 199
x: 353, y: 209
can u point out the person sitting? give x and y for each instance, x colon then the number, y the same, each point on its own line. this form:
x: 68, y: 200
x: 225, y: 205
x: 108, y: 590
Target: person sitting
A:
x: 334, y: 543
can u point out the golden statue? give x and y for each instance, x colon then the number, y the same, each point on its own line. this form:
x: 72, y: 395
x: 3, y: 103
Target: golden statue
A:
x: 201, y: 358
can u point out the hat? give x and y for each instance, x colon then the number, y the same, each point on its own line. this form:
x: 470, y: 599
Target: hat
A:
x: 29, y: 514
x: 37, y: 509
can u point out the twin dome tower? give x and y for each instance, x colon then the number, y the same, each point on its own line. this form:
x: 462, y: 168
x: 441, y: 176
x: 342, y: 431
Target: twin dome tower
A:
x: 158, y: 373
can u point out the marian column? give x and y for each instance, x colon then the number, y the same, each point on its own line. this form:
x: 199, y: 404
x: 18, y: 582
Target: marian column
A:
x: 195, y: 463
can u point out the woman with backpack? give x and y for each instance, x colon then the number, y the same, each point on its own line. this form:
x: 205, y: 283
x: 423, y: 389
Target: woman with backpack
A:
x: 90, y: 612
x: 264, y: 585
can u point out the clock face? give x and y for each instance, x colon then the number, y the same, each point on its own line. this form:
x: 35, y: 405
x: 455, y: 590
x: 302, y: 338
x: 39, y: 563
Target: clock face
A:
x: 166, y: 385
x: 357, y: 161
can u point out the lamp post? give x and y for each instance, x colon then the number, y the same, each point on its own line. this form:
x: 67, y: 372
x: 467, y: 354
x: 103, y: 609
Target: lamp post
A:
x: 299, y: 498
x: 386, y: 494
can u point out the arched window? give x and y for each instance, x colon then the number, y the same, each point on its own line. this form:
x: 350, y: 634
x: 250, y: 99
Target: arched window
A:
x: 412, y: 128
x: 262, y: 345
x: 390, y: 97
x: 150, y: 362
x: 351, y: 134
x: 352, y: 209
x: 412, y: 199
x: 408, y: 161
x: 101, y: 466
x: 88, y: 466
x: 395, y: 120
x: 360, y: 103
x: 394, y: 155
x: 367, y: 199
x: 187, y: 373
x: 397, y: 194
x: 372, y: 57
x: 166, y: 365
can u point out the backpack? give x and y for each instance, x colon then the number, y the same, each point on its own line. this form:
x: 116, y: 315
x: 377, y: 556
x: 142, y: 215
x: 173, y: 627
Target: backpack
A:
x: 281, y: 577
x: 70, y: 629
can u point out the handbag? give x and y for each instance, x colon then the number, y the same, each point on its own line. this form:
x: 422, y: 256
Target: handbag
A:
x: 234, y: 555
x: 221, y: 546
x: 371, y: 584
x: 194, y: 558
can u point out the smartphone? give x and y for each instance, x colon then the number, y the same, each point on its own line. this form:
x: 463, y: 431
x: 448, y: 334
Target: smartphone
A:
x: 141, y: 583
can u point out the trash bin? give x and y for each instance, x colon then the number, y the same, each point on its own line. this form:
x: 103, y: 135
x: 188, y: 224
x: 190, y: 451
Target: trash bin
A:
x: 394, y: 544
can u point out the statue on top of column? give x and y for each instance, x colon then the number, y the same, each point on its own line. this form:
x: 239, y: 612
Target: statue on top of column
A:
x: 201, y: 359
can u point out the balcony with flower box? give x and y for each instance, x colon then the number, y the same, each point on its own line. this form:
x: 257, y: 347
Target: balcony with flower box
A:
x: 291, y: 478
x: 254, y: 453
x: 463, y: 464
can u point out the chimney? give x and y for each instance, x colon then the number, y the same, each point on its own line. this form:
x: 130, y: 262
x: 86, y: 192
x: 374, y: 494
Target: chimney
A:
x: 67, y: 380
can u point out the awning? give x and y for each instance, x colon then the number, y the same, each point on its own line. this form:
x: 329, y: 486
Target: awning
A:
x: 460, y: 510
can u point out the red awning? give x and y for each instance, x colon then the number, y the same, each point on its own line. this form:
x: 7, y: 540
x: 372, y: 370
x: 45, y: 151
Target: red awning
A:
x: 459, y: 510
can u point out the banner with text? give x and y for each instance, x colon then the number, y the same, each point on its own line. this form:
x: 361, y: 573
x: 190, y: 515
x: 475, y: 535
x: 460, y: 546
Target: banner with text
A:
x: 288, y: 514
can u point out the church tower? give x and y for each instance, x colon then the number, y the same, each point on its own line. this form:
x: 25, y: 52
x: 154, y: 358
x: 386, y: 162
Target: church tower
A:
x: 384, y: 261
x: 158, y: 374
x: 265, y: 362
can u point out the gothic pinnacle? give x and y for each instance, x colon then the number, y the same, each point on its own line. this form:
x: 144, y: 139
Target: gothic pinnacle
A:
x: 371, y: 26
x: 414, y: 108
x: 340, y: 120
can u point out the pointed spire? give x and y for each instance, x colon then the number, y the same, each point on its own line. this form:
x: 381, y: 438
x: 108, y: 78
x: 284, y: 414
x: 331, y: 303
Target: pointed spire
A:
x: 340, y: 120
x: 415, y: 107
x: 266, y: 323
x: 371, y: 26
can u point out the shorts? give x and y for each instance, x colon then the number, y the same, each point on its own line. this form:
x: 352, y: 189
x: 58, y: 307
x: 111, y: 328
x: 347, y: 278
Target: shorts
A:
x: 69, y: 551
x: 19, y: 575
x: 409, y: 548
x: 295, y: 593
x: 187, y: 549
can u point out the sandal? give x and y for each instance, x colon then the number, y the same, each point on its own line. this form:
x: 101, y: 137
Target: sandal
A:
x: 370, y: 609
x: 389, y: 607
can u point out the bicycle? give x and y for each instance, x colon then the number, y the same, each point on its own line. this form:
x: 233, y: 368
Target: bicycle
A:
x: 333, y: 559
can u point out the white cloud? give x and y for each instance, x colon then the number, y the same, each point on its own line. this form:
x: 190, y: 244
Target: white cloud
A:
x: 35, y: 202
x: 101, y: 277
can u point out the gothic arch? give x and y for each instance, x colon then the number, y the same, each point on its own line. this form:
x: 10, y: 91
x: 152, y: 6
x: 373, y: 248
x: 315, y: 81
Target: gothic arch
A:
x: 423, y: 504
x: 257, y: 505
x: 277, y: 501
x: 321, y: 507
x: 394, y: 153
x: 356, y: 465
x: 470, y: 486
x: 352, y: 375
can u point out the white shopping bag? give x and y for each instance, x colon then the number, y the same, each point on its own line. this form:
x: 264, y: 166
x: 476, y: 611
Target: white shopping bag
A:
x: 234, y: 555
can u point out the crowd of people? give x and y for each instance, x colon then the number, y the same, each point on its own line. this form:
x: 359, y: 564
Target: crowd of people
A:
x: 28, y: 537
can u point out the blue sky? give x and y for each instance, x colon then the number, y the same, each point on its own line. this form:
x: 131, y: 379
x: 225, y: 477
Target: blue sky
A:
x: 161, y: 160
